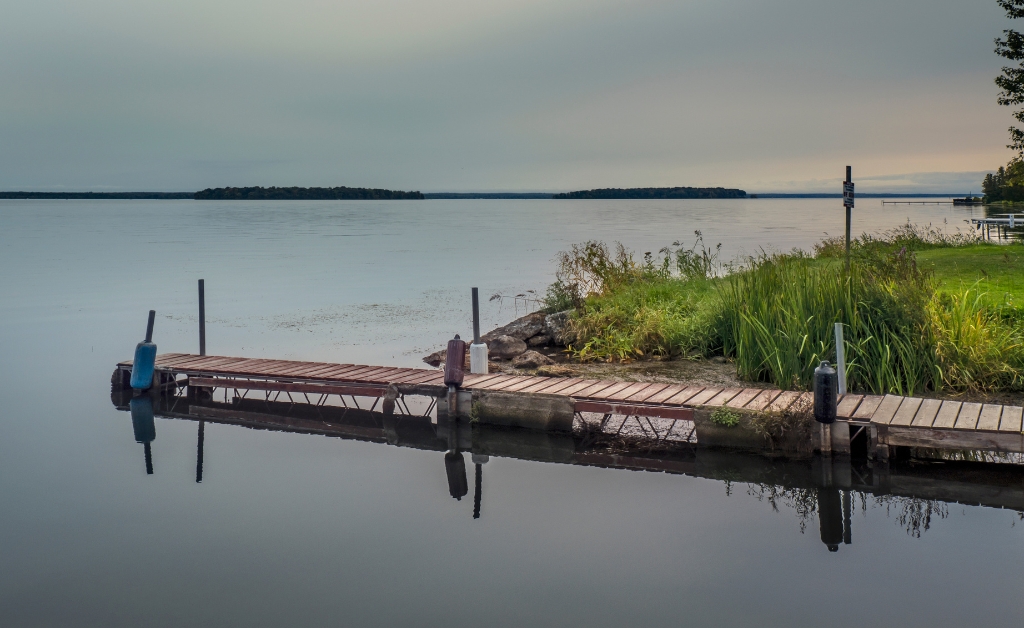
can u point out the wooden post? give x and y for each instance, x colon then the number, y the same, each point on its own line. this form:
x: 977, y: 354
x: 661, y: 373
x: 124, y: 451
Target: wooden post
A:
x: 849, y: 218
x: 202, y: 318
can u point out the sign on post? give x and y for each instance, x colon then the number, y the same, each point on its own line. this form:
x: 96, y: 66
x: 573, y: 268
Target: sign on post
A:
x: 847, y: 194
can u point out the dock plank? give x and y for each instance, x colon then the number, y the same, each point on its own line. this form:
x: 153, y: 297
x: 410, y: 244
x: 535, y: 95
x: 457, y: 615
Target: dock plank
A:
x: 988, y: 420
x: 530, y: 381
x: 511, y: 381
x: 785, y: 399
x: 1011, y: 420
x: 867, y: 407
x: 946, y: 416
x: 926, y: 413
x: 586, y: 386
x: 646, y: 393
x: 558, y: 384
x: 761, y: 401
x: 968, y: 417
x: 684, y: 395
x: 631, y: 390
x: 723, y: 397
x: 703, y: 396
x: 745, y: 397
x: 610, y: 392
x: 887, y: 409
x: 907, y: 411
x: 670, y: 391
x: 848, y: 405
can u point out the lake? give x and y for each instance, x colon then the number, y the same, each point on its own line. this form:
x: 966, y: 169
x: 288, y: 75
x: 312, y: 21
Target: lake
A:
x: 293, y: 529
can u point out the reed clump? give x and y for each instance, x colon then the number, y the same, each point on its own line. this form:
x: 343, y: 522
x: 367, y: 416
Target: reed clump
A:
x: 774, y: 313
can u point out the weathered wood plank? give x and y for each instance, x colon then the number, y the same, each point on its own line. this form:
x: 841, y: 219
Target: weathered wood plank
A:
x: 867, y: 407
x: 703, y: 396
x: 609, y: 392
x: 1011, y: 421
x: 926, y: 413
x: 559, y: 387
x: 646, y: 393
x: 761, y: 401
x: 906, y: 412
x: 946, y: 417
x: 684, y: 395
x: 988, y: 420
x: 497, y: 381
x: 953, y: 439
x: 629, y: 391
x: 670, y: 391
x: 745, y: 397
x: 511, y: 381
x: 586, y: 386
x: 968, y: 417
x: 723, y: 397
x: 550, y: 385
x: 530, y: 381
x: 848, y: 406
x: 784, y: 401
x: 887, y: 409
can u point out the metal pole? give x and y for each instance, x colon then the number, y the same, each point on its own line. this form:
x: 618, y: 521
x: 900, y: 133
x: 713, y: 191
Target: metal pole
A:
x: 849, y: 172
x: 202, y: 317
x: 476, y: 316
x: 149, y: 326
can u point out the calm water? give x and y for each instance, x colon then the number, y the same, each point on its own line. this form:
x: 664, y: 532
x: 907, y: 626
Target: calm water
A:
x: 290, y: 529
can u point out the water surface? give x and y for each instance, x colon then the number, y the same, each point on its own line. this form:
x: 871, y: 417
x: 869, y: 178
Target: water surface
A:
x: 309, y: 530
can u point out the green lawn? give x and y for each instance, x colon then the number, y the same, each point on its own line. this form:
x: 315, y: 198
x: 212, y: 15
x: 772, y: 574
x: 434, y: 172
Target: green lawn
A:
x: 998, y: 269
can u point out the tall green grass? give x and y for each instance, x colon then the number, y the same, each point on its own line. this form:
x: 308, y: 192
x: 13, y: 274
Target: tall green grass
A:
x: 774, y: 314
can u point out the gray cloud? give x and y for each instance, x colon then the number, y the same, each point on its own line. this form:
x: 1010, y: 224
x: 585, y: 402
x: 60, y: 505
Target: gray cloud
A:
x: 507, y: 96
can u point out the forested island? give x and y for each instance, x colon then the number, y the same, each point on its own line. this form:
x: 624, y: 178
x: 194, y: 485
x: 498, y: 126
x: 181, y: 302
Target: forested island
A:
x: 655, y: 193
x: 305, y: 194
x: 95, y: 195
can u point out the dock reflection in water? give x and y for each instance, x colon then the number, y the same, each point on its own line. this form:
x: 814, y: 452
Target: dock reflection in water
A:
x: 824, y: 488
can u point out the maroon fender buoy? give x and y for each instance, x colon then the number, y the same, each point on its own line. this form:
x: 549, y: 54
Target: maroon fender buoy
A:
x: 455, y: 362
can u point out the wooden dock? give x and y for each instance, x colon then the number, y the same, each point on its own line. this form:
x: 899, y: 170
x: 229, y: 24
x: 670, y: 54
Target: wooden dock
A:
x: 887, y: 421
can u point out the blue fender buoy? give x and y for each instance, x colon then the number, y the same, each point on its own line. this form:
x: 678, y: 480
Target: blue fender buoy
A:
x: 143, y: 423
x: 144, y: 426
x: 145, y: 358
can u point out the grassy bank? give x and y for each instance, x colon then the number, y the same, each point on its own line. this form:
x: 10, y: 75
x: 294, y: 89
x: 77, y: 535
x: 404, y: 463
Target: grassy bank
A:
x: 922, y: 311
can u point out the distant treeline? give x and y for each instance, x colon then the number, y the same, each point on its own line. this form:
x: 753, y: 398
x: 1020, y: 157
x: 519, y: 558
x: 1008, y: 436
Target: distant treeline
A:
x: 493, y: 195
x: 304, y: 194
x: 655, y: 193
x: 1007, y: 184
x: 95, y: 195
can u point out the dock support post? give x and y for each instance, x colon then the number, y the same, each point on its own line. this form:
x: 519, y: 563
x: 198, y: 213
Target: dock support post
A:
x: 202, y: 318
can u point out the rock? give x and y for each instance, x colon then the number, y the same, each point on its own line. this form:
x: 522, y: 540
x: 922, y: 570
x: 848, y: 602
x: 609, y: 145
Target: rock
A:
x: 436, y: 358
x: 555, y: 370
x: 505, y: 347
x: 557, y: 327
x: 537, y: 341
x: 531, y: 360
x: 522, y: 328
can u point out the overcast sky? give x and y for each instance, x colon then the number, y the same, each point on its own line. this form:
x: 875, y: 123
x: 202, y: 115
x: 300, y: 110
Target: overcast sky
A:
x: 459, y: 95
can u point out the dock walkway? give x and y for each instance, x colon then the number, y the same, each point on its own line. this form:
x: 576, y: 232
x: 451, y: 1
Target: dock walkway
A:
x: 893, y: 420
